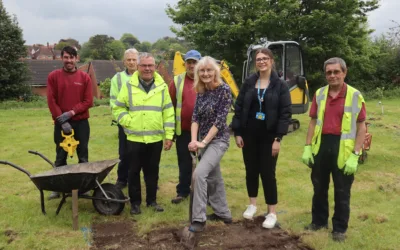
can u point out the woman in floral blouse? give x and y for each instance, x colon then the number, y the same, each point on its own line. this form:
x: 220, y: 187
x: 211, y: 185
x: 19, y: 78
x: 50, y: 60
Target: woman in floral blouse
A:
x: 210, y: 137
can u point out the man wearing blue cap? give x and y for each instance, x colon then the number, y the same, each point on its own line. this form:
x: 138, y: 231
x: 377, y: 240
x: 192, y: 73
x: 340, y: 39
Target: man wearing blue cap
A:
x: 183, y: 97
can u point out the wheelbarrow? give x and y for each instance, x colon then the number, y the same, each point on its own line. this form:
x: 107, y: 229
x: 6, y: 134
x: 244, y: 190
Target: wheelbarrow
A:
x: 76, y: 180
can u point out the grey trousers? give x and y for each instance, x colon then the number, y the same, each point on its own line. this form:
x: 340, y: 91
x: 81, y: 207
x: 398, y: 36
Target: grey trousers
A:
x: 208, y: 179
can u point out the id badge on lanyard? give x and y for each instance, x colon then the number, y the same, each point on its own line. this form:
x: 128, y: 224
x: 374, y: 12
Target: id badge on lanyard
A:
x: 260, y: 115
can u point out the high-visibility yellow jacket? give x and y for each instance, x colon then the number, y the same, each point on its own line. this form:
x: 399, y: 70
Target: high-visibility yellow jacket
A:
x: 116, y: 84
x: 145, y: 117
x: 352, y: 108
x: 179, y: 81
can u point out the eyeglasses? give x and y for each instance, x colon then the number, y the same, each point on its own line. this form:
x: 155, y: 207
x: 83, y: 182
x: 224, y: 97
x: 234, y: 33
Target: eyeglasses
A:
x: 263, y: 59
x: 147, y: 65
x: 202, y: 71
x: 334, y: 72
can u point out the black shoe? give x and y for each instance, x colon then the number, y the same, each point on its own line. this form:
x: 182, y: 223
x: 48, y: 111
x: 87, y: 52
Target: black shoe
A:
x: 338, y: 237
x: 120, y: 184
x: 197, y: 226
x: 135, y: 209
x: 156, y: 207
x: 313, y: 227
x: 214, y: 217
x: 54, y: 195
x: 178, y: 199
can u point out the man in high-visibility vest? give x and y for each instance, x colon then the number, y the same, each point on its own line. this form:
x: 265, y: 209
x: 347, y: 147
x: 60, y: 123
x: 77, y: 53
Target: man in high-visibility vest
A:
x: 334, y: 141
x: 130, y: 62
x: 183, y: 97
x: 145, y: 111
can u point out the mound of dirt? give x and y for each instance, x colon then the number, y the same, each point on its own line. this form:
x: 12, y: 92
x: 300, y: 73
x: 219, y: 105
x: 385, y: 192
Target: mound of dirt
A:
x: 238, y: 235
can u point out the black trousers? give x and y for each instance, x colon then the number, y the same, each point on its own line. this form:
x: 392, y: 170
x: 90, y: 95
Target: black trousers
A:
x: 257, y: 156
x: 81, y: 133
x: 184, y: 163
x: 325, y: 163
x: 123, y: 166
x: 146, y: 156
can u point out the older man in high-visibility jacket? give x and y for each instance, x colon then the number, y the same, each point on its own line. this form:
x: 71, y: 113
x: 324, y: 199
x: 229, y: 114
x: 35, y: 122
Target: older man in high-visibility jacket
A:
x: 333, y: 145
x: 145, y: 110
x: 119, y: 79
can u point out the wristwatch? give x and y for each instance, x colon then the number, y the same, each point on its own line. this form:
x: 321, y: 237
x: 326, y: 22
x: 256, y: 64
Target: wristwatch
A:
x: 356, y: 153
x: 278, y: 139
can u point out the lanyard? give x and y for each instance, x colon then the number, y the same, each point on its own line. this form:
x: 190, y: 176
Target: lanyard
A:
x: 260, y: 98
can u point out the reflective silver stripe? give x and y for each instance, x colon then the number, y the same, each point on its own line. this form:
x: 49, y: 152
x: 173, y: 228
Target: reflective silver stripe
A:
x: 178, y: 85
x: 120, y: 104
x: 169, y: 125
x: 178, y: 118
x: 113, y: 97
x: 141, y: 108
x: 179, y: 105
x: 119, y: 81
x: 319, y: 98
x: 122, y: 115
x: 130, y: 95
x: 169, y: 105
x: 354, y: 111
x: 348, y: 109
x: 162, y: 98
x: 143, y: 133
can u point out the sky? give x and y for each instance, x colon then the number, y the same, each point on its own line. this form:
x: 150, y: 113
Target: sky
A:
x: 45, y: 21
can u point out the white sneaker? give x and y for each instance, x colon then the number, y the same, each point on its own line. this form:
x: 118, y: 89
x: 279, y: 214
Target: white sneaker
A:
x: 250, y: 212
x: 270, y: 221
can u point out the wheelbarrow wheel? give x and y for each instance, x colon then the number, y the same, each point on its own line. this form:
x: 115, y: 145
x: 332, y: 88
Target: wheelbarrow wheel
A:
x: 108, y: 207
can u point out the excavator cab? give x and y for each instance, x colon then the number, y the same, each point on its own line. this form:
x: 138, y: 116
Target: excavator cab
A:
x: 289, y: 66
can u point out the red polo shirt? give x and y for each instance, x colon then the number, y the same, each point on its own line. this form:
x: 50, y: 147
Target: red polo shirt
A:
x: 188, y: 101
x: 334, y: 110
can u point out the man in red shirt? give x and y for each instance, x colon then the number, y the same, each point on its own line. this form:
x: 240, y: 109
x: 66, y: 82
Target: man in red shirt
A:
x: 334, y: 141
x: 183, y: 97
x: 69, y: 97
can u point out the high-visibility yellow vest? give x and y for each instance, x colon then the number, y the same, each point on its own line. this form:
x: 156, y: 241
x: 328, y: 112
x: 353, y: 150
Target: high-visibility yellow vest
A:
x: 179, y: 82
x: 352, y: 107
x: 145, y: 117
x: 116, y: 84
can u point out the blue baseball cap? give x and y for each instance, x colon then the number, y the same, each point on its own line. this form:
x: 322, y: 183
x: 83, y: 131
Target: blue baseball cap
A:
x: 193, y: 54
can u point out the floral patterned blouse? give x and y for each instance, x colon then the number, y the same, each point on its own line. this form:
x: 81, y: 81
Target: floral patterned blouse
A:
x: 212, y: 108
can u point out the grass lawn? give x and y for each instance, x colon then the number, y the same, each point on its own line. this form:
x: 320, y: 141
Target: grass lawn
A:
x: 375, y: 203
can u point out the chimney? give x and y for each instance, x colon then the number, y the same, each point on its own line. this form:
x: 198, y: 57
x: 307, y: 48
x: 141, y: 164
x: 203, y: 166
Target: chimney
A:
x: 48, y: 45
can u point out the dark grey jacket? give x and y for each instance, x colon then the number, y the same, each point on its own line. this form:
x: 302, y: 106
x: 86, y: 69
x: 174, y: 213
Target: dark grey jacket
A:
x: 278, y: 106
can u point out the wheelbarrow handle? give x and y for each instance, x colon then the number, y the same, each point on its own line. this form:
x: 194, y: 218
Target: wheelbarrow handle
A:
x: 15, y: 166
x: 44, y: 157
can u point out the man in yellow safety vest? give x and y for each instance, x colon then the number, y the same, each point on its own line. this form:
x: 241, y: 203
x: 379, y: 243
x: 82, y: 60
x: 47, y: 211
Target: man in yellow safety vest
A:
x: 334, y: 141
x: 145, y: 110
x: 119, y: 79
x: 183, y: 97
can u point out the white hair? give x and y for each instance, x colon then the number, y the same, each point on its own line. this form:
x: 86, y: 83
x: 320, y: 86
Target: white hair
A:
x: 146, y: 55
x: 130, y: 51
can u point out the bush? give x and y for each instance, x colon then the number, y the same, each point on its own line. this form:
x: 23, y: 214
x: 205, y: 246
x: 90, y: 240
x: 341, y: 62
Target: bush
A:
x: 98, y: 102
x: 381, y: 93
x: 105, y: 87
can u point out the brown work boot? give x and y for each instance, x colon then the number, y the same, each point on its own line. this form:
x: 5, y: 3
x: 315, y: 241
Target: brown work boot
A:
x: 178, y: 199
x: 197, y: 226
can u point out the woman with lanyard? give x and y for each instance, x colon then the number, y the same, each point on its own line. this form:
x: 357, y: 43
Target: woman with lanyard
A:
x: 262, y: 117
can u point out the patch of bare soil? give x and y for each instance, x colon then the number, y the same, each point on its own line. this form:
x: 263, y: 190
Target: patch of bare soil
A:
x: 238, y: 235
x: 11, y: 235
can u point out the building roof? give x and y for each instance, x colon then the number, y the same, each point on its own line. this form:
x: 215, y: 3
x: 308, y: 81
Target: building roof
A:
x: 39, y: 70
x: 106, y: 69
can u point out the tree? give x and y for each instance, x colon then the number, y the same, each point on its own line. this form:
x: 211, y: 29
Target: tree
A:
x: 325, y: 28
x: 13, y: 71
x: 68, y: 42
x: 144, y: 46
x: 117, y: 49
x: 129, y: 40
